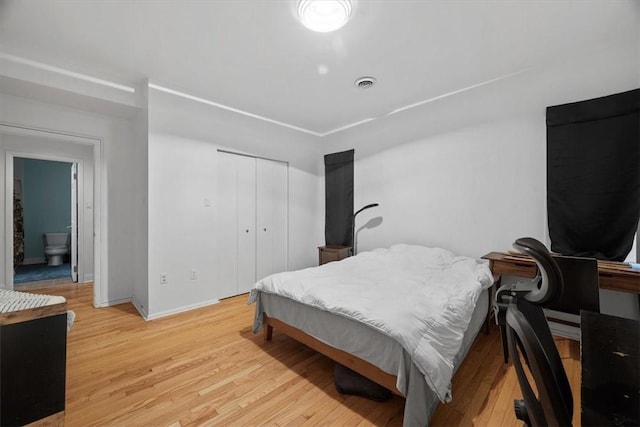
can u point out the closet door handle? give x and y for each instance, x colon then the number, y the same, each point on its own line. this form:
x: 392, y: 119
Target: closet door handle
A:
x: 246, y: 231
x: 265, y: 229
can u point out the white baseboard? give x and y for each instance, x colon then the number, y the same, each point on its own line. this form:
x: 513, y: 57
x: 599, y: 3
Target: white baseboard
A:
x: 565, y: 331
x: 146, y: 316
x: 140, y: 309
x: 178, y: 310
x: 116, y: 302
x: 87, y: 278
x: 565, y: 325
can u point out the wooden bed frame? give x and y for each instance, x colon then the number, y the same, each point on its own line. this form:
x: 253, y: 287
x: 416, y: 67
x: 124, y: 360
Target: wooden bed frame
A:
x: 352, y: 362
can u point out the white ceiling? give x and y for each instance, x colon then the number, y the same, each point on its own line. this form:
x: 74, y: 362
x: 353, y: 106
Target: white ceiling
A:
x: 254, y: 56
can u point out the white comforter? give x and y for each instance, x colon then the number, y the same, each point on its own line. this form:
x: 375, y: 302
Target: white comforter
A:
x: 422, y: 297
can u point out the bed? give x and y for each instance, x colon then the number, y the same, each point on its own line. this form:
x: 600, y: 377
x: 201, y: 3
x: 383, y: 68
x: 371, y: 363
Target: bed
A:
x: 404, y: 317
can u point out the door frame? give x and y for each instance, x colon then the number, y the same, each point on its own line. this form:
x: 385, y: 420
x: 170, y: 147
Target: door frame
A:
x: 77, y: 218
x: 77, y: 246
x: 100, y: 269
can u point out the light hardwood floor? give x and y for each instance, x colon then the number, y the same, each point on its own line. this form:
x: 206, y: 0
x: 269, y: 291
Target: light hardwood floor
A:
x: 206, y: 367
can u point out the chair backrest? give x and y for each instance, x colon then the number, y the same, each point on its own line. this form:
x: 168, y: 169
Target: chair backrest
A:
x: 528, y: 333
x: 581, y: 290
x: 548, y: 282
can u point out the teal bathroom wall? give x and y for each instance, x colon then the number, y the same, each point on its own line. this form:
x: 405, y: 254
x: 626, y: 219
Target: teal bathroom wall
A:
x: 46, y: 199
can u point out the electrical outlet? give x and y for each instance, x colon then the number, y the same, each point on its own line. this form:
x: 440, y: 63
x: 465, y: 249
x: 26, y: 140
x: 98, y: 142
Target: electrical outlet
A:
x: 163, y: 279
x: 194, y: 274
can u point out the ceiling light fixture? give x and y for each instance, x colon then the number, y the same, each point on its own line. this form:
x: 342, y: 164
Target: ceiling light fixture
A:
x: 324, y: 15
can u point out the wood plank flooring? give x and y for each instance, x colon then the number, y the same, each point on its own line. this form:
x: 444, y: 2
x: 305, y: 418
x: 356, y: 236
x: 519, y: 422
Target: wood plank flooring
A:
x: 206, y: 368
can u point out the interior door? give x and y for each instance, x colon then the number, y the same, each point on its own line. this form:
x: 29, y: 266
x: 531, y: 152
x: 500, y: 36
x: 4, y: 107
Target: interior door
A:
x: 74, y: 222
x: 227, y: 211
x: 246, y: 223
x: 272, y: 217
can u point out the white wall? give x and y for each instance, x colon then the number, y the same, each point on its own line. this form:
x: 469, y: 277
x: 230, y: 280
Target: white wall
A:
x: 181, y: 229
x: 140, y: 209
x: 472, y: 191
x: 183, y: 148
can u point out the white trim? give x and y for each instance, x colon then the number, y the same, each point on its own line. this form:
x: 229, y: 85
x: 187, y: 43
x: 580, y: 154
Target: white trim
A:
x: 235, y: 153
x: 100, y: 226
x: 10, y: 156
x: 128, y: 89
x: 570, y: 329
x: 140, y: 308
x: 100, y: 264
x: 345, y: 127
x: 341, y: 128
x: 18, y: 129
x: 565, y: 331
x: 176, y: 310
x: 287, y: 231
x: 116, y: 302
x: 455, y: 92
x: 232, y: 109
x: 64, y: 72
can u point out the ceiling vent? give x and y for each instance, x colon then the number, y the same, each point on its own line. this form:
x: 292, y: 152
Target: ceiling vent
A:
x: 365, y: 82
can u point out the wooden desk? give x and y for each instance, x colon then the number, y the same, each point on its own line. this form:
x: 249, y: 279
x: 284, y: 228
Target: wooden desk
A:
x: 33, y: 358
x: 610, y: 381
x: 615, y: 276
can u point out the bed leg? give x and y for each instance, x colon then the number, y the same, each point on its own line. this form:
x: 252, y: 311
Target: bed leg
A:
x: 268, y: 332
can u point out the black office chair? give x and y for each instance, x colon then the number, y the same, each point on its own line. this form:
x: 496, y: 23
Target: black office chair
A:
x: 547, y: 285
x: 543, y: 289
x: 581, y: 291
x: 527, y: 333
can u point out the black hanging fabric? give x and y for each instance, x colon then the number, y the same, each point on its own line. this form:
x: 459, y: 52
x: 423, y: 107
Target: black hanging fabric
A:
x: 593, y: 176
x: 338, y: 172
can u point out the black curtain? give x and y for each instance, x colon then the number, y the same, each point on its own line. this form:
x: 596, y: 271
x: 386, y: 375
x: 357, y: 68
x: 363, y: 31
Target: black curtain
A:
x: 338, y: 172
x: 593, y: 176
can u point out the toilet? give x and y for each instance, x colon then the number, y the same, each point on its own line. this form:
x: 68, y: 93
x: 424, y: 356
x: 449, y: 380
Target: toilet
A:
x: 56, y: 246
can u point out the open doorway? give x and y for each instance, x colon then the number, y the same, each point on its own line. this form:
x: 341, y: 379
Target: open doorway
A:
x: 44, y: 222
x: 55, y: 145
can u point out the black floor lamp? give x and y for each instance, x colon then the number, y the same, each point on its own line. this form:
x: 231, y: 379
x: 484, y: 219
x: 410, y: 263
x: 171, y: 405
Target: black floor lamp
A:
x: 353, y: 227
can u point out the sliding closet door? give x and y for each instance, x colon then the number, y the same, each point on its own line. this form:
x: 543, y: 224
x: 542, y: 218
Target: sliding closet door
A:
x: 246, y: 223
x: 252, y: 208
x: 272, y: 217
x: 227, y: 215
x: 236, y: 224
